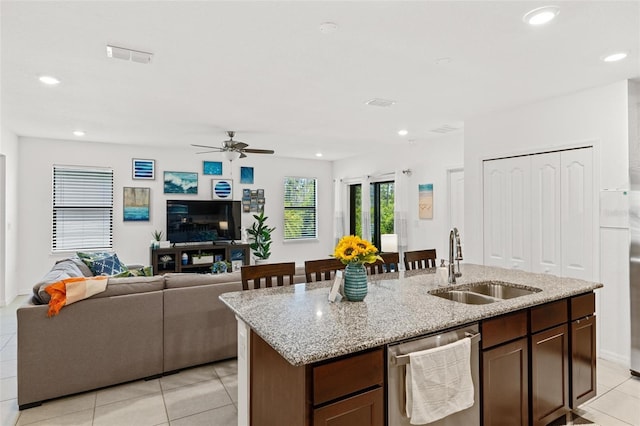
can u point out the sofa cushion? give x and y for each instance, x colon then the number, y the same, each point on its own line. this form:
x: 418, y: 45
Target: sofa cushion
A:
x: 131, y: 285
x: 177, y: 280
x: 89, y: 257
x: 108, y: 265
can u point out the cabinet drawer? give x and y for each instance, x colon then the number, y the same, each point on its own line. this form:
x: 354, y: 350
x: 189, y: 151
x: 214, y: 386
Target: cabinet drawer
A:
x: 549, y: 315
x: 583, y: 305
x: 347, y: 375
x: 503, y: 329
x: 366, y: 409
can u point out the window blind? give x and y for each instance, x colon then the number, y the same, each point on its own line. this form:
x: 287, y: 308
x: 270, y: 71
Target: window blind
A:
x: 82, y: 208
x: 300, y: 205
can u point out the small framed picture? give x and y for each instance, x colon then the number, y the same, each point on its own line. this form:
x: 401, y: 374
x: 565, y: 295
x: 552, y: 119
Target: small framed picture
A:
x: 143, y: 169
x: 221, y: 189
x: 180, y: 183
x: 246, y: 175
x: 212, y: 168
x: 135, y: 206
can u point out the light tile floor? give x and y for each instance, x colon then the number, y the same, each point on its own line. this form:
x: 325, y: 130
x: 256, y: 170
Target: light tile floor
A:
x: 207, y: 395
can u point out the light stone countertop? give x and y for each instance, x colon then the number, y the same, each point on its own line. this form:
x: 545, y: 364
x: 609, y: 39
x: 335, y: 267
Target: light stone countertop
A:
x: 304, y: 327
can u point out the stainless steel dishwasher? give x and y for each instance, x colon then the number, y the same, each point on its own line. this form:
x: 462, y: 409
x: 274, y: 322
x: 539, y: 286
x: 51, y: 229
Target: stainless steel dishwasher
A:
x: 398, y: 358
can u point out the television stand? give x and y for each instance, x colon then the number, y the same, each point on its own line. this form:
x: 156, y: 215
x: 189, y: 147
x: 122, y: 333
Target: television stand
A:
x: 200, y: 257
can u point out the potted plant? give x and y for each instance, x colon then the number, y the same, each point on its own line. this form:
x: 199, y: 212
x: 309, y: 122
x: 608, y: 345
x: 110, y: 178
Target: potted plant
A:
x: 157, y: 237
x: 260, y: 238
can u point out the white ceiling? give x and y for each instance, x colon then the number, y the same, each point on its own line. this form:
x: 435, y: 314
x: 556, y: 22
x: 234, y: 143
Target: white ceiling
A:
x: 265, y: 69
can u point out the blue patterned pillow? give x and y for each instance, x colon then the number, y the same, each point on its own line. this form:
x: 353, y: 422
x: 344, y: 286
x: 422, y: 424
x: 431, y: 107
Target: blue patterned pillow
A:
x: 108, y: 265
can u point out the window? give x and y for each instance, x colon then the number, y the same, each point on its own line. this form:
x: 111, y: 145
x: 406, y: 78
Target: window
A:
x: 82, y: 208
x: 381, y: 209
x: 300, y: 208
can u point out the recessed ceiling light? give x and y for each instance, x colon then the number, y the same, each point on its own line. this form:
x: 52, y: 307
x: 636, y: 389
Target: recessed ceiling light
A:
x: 443, y: 61
x: 541, y: 15
x: 328, y: 27
x: 78, y: 133
x: 380, y: 102
x: 403, y: 132
x: 318, y: 154
x: 618, y: 56
x: 49, y: 80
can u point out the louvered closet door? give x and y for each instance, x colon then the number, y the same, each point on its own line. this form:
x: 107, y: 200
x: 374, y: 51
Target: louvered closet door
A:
x: 507, y: 216
x: 577, y: 213
x: 546, y: 247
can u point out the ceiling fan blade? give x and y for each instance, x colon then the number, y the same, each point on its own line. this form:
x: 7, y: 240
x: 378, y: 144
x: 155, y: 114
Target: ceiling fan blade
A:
x: 238, y: 145
x: 205, y: 146
x: 207, y: 152
x: 243, y: 155
x: 258, y: 151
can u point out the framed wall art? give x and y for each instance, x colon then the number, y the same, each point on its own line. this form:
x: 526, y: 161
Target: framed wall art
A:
x: 180, y: 183
x: 143, y: 169
x: 212, y: 168
x: 246, y: 175
x: 135, y: 206
x: 425, y: 201
x: 221, y: 189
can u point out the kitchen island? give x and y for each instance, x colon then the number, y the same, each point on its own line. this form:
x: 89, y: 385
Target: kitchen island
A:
x: 298, y: 329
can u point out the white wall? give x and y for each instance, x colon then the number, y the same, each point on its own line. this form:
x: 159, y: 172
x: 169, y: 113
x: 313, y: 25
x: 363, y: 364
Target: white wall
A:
x: 9, y: 219
x: 428, y: 162
x: 132, y: 239
x: 597, y: 116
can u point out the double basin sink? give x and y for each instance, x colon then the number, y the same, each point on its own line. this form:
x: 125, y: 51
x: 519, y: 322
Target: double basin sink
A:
x: 484, y: 292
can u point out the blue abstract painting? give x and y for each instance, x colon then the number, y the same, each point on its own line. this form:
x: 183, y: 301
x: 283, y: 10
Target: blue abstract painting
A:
x: 212, y: 167
x: 143, y: 169
x: 180, y: 183
x: 246, y: 175
x: 221, y: 189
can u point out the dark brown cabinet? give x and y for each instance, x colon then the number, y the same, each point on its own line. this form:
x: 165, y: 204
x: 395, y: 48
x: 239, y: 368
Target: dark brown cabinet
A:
x: 199, y: 258
x: 583, y: 349
x: 347, y: 391
x: 549, y: 362
x: 505, y: 370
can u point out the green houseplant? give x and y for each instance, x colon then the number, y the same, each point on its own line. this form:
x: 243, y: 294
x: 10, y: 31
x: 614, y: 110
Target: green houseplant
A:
x: 260, y: 237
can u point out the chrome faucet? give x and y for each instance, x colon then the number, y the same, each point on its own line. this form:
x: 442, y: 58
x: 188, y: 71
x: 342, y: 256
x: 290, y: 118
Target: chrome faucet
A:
x: 454, y: 237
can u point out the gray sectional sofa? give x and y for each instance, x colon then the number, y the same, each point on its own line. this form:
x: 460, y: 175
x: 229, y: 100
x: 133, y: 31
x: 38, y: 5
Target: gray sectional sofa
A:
x: 140, y: 327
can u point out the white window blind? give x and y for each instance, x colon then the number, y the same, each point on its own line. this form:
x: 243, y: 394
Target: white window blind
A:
x: 300, y: 203
x: 82, y: 208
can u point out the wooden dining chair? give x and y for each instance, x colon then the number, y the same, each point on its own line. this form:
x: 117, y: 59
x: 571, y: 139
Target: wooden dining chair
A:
x: 390, y: 263
x: 322, y: 269
x: 268, y: 273
x: 420, y: 259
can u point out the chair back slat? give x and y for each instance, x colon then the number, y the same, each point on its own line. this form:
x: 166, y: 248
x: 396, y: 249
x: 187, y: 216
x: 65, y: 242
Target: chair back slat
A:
x: 322, y: 269
x: 390, y: 262
x: 269, y: 273
x: 420, y: 259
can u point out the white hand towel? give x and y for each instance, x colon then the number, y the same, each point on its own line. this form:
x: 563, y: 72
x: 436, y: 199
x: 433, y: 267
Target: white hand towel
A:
x: 438, y: 382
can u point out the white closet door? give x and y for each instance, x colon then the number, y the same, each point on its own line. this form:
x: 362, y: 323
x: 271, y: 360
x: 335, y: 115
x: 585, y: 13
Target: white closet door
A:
x: 507, y: 216
x: 546, y: 243
x: 577, y: 213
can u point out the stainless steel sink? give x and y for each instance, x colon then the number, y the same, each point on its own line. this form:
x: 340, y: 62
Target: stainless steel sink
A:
x: 465, y: 297
x: 483, y: 292
x: 501, y: 290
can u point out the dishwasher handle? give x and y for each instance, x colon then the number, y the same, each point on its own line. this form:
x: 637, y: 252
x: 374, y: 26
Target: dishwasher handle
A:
x: 399, y: 360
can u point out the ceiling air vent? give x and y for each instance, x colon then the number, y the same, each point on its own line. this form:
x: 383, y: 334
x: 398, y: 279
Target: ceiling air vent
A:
x: 380, y: 102
x: 444, y: 129
x: 128, y: 54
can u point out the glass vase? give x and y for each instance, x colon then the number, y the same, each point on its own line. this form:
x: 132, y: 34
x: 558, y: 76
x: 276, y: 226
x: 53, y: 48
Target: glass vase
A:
x: 355, y: 282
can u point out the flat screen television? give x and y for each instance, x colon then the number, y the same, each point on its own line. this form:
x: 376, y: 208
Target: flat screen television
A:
x: 190, y: 221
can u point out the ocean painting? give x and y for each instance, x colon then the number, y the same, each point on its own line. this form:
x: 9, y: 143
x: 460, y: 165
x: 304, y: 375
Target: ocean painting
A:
x: 180, y: 183
x: 136, y: 204
x: 425, y: 201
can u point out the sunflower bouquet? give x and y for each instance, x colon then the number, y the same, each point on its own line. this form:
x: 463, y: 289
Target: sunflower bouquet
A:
x: 353, y: 249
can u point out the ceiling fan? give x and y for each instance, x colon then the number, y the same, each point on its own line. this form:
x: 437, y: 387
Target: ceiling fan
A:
x: 232, y: 150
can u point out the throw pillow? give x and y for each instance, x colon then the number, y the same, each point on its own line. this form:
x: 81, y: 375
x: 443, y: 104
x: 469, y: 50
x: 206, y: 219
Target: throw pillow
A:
x: 89, y: 257
x: 109, y: 265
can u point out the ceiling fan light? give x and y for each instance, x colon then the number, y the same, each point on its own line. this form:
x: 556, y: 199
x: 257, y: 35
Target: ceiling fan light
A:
x: 231, y: 155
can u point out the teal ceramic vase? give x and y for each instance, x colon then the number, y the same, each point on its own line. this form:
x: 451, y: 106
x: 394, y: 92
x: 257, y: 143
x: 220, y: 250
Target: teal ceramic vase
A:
x: 355, y: 282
